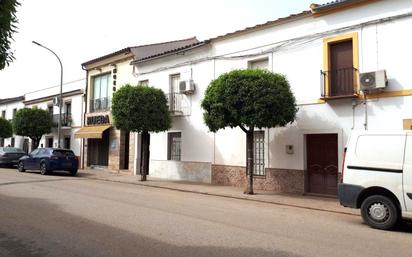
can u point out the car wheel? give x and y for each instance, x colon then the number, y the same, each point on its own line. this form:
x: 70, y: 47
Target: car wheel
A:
x: 20, y: 167
x: 43, y: 169
x: 379, y: 212
x: 73, y: 172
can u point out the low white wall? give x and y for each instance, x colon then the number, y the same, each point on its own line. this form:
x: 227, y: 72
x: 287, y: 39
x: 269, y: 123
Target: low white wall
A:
x: 183, y: 171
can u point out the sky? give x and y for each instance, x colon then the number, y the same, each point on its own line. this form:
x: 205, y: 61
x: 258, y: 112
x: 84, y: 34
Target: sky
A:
x: 81, y: 30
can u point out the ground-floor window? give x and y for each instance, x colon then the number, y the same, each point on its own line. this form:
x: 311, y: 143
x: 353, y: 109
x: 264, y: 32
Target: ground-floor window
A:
x: 49, y: 142
x: 259, y: 153
x: 13, y: 141
x: 26, y: 145
x: 174, y: 149
x: 67, y: 142
x: 1, y: 142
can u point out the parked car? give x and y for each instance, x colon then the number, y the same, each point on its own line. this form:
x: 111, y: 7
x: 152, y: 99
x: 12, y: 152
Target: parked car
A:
x: 48, y: 160
x: 377, y: 177
x: 10, y: 155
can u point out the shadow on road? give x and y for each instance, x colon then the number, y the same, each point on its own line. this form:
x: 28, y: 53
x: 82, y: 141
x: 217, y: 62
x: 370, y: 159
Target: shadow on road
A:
x: 35, y: 227
x: 30, y: 181
x: 404, y: 226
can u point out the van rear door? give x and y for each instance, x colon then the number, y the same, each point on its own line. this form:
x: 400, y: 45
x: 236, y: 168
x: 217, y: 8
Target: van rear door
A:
x: 376, y: 160
x: 407, y: 174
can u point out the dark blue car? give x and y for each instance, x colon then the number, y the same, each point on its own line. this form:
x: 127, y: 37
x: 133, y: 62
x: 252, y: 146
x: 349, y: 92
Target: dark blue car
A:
x: 49, y: 159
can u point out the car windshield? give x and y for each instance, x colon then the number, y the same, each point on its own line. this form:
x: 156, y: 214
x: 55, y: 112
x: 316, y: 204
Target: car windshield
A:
x: 12, y: 150
x: 63, y: 153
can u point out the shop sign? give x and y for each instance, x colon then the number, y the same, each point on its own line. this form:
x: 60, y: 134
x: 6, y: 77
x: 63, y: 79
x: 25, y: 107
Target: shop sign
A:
x: 98, y: 120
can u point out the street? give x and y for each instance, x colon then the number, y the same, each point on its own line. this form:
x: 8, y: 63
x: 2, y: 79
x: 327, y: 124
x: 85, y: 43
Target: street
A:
x: 60, y: 215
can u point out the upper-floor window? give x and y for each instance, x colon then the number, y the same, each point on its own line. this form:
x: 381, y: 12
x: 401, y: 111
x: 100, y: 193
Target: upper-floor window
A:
x: 3, y: 114
x: 143, y: 82
x: 340, y: 71
x: 259, y: 64
x: 68, y: 107
x: 175, y: 98
x: 100, y: 99
x: 101, y: 86
x: 14, y: 112
x: 174, y: 83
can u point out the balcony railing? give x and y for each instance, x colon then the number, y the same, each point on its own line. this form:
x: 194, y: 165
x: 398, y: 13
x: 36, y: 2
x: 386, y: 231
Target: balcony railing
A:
x: 340, y: 83
x: 101, y: 104
x: 176, y: 103
x: 66, y: 120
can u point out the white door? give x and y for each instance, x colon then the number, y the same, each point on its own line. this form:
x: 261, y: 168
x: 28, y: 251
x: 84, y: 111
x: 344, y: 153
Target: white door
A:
x: 407, y: 174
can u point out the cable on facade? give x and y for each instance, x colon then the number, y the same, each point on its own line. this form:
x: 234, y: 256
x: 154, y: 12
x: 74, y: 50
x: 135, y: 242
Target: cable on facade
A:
x: 277, y: 46
x: 66, y: 83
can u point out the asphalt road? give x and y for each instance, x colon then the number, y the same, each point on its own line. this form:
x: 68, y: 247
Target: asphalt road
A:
x: 65, y: 216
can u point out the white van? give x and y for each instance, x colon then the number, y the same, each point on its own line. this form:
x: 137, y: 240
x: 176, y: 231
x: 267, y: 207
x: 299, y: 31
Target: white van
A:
x: 377, y: 177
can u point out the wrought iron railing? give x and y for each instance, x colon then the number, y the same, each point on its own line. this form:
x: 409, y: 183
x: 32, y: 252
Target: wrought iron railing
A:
x: 339, y: 83
x: 101, y: 104
x: 66, y: 119
x: 175, y: 101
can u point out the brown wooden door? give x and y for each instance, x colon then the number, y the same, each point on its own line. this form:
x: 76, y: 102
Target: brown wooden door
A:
x: 322, y: 163
x: 341, y: 68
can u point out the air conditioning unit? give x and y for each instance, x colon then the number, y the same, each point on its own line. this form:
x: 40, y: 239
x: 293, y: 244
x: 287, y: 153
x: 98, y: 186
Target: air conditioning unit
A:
x: 187, y: 87
x: 56, y: 101
x: 373, y: 80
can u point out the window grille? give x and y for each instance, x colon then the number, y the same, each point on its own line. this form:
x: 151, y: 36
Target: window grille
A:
x: 174, y: 146
x: 259, y: 153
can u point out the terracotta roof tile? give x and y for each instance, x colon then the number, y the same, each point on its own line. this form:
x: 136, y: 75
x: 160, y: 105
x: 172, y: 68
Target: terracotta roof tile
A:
x: 143, y: 51
x: 12, y: 99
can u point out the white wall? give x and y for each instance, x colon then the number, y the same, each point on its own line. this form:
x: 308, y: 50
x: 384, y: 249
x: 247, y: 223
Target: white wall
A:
x: 8, y: 107
x: 124, y: 76
x: 382, y: 46
x: 197, y: 141
x: 77, y: 115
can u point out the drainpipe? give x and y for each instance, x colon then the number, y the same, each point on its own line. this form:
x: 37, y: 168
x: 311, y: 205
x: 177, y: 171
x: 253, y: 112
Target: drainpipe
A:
x: 366, y: 111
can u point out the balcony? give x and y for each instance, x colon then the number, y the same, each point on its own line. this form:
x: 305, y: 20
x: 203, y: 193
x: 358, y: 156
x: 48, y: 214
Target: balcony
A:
x: 340, y: 83
x: 66, y: 120
x: 101, y: 104
x: 176, y: 103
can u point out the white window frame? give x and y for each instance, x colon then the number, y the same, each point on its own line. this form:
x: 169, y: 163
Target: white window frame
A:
x: 251, y: 63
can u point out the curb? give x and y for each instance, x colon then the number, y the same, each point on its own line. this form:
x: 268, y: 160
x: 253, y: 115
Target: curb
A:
x: 224, y: 196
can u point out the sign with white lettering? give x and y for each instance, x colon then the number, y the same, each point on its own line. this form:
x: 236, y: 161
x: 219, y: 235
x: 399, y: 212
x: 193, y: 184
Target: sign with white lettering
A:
x: 98, y: 120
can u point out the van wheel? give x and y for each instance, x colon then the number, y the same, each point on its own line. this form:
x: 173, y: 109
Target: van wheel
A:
x: 379, y: 212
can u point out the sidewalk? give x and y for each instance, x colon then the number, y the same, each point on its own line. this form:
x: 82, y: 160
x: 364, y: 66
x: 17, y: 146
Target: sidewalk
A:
x: 307, y: 202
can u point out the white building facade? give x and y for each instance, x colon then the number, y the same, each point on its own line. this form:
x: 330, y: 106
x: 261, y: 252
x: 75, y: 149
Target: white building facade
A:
x: 104, y: 145
x: 323, y: 53
x: 72, y: 114
x: 8, y: 108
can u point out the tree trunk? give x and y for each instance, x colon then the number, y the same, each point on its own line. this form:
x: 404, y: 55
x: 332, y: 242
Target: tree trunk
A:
x: 249, y: 161
x: 145, y: 155
x: 35, y: 142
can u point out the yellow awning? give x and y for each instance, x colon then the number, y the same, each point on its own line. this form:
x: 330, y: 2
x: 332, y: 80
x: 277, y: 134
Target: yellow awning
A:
x: 91, y: 132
